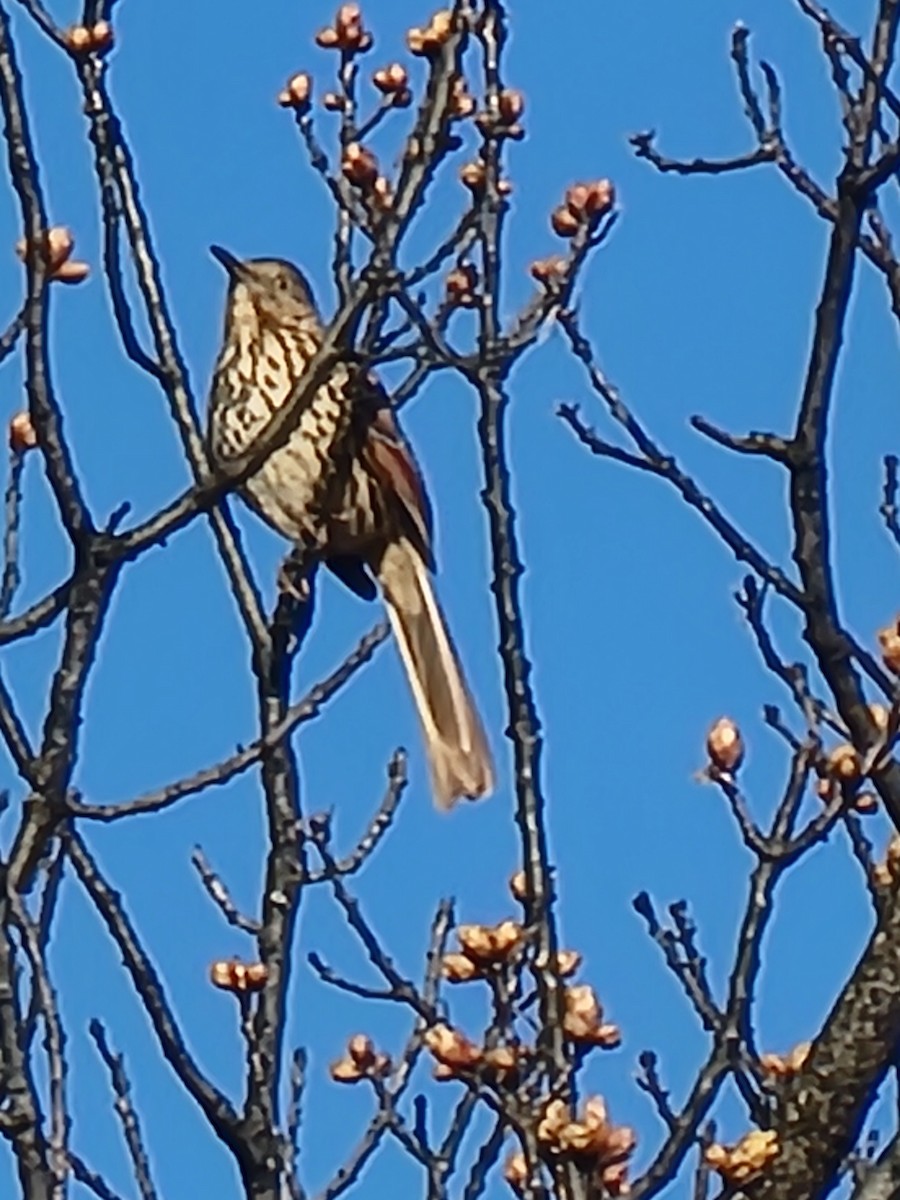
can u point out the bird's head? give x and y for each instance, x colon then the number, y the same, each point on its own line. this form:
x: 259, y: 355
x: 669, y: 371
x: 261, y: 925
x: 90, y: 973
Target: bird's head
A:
x: 275, y: 288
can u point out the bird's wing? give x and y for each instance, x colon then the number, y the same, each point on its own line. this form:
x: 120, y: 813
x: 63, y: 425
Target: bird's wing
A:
x: 391, y: 461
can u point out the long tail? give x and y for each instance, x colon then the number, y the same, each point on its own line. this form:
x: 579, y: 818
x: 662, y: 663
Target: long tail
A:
x: 455, y: 742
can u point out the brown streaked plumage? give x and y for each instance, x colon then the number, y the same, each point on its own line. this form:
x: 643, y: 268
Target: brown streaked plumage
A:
x: 346, y: 488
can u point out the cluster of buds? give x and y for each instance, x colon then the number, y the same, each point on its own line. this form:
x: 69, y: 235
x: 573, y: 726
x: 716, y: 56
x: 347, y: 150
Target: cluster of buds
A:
x: 843, y: 768
x: 456, y: 1056
x: 505, y: 121
x: 393, y: 83
x: 834, y: 778
x: 89, y: 39
x: 548, y: 271
x: 889, y: 641
x: 361, y: 1061
x: 232, y: 975
x: 297, y: 93
x: 347, y: 34
x: 583, y: 206
x: 22, y: 433
x: 459, y: 968
x: 474, y: 176
x: 462, y: 102
x: 592, y: 1138
x: 583, y: 1019
x: 452, y: 1050
x: 461, y: 283
x: 427, y: 42
x: 783, y: 1066
x: 725, y: 746
x: 887, y: 873
x: 482, y: 947
x: 746, y: 1159
x: 360, y: 167
x: 490, y: 945
x: 57, y: 248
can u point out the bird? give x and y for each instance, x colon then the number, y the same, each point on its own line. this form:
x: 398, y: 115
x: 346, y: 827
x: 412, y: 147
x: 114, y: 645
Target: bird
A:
x: 346, y: 490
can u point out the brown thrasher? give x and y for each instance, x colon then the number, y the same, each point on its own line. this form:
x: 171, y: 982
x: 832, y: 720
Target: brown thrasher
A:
x: 346, y: 490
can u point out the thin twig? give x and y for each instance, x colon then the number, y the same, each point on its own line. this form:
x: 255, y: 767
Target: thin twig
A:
x: 223, y: 772
x: 220, y: 896
x: 54, y: 1043
x: 148, y: 986
x: 126, y: 1112
x: 12, y: 576
x: 350, y: 1171
x: 90, y: 1179
x: 377, y: 827
x: 294, y: 1120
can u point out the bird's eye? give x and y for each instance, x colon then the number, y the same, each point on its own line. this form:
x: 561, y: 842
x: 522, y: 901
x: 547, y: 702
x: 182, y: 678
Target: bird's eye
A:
x: 282, y: 283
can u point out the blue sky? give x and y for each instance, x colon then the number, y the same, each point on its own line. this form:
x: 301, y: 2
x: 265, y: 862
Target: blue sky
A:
x: 701, y: 302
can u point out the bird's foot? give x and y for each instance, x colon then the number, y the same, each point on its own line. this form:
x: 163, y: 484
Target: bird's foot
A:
x: 295, y: 574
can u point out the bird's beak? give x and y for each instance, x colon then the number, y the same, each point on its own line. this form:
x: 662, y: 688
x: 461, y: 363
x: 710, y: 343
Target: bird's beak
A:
x: 232, y: 265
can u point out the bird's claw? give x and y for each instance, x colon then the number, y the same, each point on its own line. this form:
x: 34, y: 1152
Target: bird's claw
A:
x: 294, y: 576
